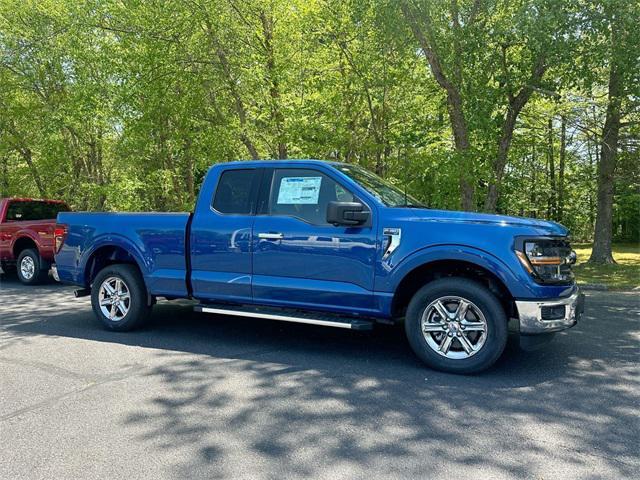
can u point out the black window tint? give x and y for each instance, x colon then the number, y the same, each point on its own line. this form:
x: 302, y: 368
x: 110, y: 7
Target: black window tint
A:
x: 235, y: 192
x: 304, y: 194
x: 23, y: 211
x: 51, y: 210
x: 15, y: 211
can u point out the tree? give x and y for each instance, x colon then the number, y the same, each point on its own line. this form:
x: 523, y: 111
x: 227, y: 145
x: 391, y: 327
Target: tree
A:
x: 616, y: 19
x: 124, y: 105
x: 479, y: 51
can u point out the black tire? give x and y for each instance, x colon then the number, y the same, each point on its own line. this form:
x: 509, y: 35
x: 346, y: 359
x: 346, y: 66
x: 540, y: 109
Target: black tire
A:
x: 8, y: 268
x: 39, y: 270
x: 138, y: 308
x: 488, y: 305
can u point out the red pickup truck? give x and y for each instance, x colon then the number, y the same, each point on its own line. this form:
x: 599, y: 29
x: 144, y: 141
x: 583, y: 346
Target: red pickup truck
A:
x: 27, y: 232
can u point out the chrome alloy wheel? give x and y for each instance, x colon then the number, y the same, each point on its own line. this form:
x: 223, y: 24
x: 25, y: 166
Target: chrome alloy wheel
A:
x: 114, y: 299
x: 454, y: 327
x: 27, y: 267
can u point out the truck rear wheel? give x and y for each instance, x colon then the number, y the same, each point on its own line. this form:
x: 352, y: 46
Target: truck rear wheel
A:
x: 31, y: 268
x: 456, y: 325
x: 119, y: 297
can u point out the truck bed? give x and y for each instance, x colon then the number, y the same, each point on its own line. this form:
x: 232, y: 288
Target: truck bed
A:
x: 156, y: 242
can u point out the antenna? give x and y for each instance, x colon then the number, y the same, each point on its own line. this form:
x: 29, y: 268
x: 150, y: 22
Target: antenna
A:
x: 406, y: 179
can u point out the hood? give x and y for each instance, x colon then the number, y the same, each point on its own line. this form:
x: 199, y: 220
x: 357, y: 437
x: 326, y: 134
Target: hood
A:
x: 543, y: 227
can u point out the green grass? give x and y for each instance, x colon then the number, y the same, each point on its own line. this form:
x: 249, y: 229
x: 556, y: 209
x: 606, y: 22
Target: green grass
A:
x: 623, y: 276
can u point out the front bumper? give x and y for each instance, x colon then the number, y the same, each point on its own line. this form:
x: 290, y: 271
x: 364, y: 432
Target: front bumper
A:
x: 542, y: 316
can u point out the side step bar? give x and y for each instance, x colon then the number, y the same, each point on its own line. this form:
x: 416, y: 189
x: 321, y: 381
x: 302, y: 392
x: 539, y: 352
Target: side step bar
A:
x: 287, y: 316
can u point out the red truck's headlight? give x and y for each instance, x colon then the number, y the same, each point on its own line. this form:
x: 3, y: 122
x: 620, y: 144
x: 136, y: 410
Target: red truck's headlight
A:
x: 59, y: 235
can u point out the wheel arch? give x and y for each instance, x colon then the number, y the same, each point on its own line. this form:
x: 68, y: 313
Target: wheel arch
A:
x: 23, y: 242
x: 423, y: 273
x: 109, y: 254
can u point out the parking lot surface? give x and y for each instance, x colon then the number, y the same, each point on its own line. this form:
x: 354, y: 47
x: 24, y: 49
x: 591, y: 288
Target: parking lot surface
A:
x: 197, y: 396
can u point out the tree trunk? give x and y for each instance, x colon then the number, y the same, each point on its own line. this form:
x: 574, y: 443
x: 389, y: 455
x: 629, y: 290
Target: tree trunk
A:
x: 274, y: 88
x: 601, y: 252
x: 534, y: 182
x: 552, y: 211
x: 4, y: 184
x: 28, y: 158
x: 189, y: 170
x: 561, y: 166
x: 454, y: 107
x: 238, y: 103
x: 516, y: 104
x: 592, y: 180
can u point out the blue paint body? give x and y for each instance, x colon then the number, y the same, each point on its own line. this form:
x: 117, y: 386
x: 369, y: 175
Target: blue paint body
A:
x: 319, y: 267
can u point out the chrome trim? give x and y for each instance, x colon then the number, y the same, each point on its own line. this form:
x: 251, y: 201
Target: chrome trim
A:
x: 27, y: 267
x: 271, y: 316
x: 271, y: 236
x: 54, y: 272
x: 449, y: 332
x: 395, y: 235
x: 530, y: 314
x: 114, y: 299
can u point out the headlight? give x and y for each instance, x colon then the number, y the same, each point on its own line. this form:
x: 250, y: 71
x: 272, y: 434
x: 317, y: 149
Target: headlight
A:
x: 548, y: 260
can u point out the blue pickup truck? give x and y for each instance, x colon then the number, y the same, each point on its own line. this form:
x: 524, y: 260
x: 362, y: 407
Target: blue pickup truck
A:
x: 330, y: 244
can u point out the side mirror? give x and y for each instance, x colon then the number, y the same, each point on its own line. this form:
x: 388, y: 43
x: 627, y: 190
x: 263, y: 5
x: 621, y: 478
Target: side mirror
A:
x: 347, y: 213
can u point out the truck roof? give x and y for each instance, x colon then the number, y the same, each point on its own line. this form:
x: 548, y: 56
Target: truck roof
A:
x: 275, y: 162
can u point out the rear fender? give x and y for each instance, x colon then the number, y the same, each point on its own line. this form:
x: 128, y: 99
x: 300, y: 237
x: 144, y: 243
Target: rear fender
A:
x: 111, y: 240
x: 21, y: 235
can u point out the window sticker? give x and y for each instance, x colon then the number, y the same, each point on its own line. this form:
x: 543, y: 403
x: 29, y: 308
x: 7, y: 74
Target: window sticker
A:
x: 299, y: 191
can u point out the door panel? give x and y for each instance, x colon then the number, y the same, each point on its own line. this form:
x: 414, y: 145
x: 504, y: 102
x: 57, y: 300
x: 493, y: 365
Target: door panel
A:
x: 221, y: 258
x: 308, y: 264
x: 221, y: 239
x: 313, y: 265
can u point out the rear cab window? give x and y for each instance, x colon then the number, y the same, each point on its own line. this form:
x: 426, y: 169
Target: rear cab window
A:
x: 236, y: 192
x: 20, y: 211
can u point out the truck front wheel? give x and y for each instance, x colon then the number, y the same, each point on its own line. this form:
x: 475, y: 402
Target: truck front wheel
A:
x: 119, y: 297
x: 456, y: 325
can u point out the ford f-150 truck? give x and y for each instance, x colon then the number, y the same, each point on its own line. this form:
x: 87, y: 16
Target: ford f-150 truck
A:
x: 330, y: 244
x: 26, y: 236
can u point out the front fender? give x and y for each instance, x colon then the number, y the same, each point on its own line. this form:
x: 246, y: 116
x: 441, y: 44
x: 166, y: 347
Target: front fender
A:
x: 389, y: 278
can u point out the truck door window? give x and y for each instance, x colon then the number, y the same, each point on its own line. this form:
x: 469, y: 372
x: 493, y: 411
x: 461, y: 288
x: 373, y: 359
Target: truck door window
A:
x: 304, y: 194
x: 235, y: 192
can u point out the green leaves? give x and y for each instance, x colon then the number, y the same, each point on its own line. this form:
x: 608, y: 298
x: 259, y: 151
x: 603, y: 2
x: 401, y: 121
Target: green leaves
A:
x: 114, y: 104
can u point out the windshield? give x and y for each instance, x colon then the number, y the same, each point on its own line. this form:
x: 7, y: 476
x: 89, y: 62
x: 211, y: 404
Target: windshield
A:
x: 379, y: 188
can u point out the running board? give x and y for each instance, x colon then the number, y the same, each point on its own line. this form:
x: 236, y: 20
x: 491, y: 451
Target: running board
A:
x: 287, y: 316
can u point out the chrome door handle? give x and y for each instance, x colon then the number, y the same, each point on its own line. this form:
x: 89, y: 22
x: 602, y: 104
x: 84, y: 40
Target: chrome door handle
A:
x: 271, y: 236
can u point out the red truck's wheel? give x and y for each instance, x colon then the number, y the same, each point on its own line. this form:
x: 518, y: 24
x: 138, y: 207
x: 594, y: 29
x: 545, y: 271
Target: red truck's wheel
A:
x: 456, y: 325
x: 119, y: 297
x: 31, y: 268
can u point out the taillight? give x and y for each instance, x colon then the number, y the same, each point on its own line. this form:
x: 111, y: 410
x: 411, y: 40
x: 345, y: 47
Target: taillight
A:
x: 59, y: 234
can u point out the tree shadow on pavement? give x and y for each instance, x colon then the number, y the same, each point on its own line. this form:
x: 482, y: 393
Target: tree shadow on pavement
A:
x: 260, y: 399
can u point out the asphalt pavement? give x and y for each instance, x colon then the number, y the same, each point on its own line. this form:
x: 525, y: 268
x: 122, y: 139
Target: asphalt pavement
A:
x: 205, y: 396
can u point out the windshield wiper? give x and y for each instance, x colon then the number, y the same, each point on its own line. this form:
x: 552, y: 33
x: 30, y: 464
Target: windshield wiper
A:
x: 411, y: 205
